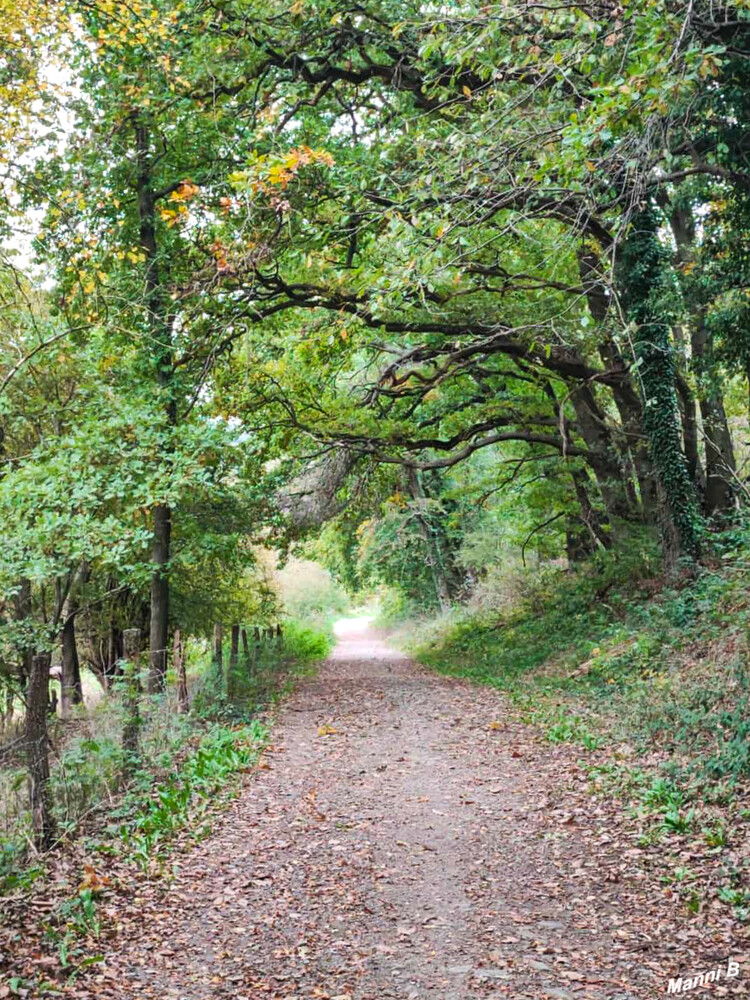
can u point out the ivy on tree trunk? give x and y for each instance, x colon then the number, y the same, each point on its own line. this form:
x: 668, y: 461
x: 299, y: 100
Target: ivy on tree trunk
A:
x: 642, y: 270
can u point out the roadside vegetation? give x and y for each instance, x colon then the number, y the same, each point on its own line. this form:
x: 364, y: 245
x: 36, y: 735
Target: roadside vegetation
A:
x: 118, y: 820
x: 647, y: 679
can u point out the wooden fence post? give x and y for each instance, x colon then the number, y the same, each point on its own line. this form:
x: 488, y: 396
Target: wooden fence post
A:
x: 234, y: 655
x: 178, y: 657
x: 131, y: 639
x: 37, y: 752
x: 218, y: 654
x: 234, y: 651
x: 245, y: 648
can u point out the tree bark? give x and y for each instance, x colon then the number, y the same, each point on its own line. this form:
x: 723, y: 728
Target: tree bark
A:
x: 40, y: 802
x: 625, y: 395
x: 234, y: 655
x: 717, y: 487
x: 689, y: 419
x: 641, y: 268
x: 597, y: 527
x: 70, y: 679
x: 234, y: 649
x: 245, y: 649
x: 608, y: 469
x: 159, y: 626
x: 721, y: 466
x: 22, y: 611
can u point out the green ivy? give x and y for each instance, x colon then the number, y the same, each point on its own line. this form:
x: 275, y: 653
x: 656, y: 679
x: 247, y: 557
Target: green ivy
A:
x: 643, y: 274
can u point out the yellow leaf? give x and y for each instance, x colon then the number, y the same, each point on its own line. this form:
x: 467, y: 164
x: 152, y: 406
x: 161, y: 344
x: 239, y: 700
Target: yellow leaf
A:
x: 326, y: 730
x: 184, y: 191
x: 279, y: 175
x: 92, y: 880
x: 495, y: 725
x: 466, y: 91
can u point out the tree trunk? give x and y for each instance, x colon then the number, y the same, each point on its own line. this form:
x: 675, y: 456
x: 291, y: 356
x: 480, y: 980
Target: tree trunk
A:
x: 718, y: 486
x: 597, y: 527
x: 624, y: 393
x: 689, y: 420
x: 234, y: 649
x: 432, y: 545
x: 22, y: 611
x: 40, y: 803
x: 132, y: 721
x: 245, y: 649
x: 721, y: 465
x: 115, y: 652
x: 161, y: 341
x: 611, y: 476
x: 178, y: 660
x: 159, y: 627
x: 234, y: 655
x: 641, y: 270
x: 70, y: 680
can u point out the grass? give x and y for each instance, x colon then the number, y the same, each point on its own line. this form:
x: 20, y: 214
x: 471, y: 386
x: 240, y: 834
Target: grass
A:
x: 147, y: 820
x: 604, y: 652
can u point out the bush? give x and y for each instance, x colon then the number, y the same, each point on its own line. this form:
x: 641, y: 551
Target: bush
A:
x: 307, y: 643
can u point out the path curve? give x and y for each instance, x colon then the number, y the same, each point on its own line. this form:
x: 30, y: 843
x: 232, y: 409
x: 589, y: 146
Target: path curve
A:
x: 414, y: 852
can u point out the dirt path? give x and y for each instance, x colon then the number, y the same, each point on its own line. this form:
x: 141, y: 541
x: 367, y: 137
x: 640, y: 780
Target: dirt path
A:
x: 416, y: 852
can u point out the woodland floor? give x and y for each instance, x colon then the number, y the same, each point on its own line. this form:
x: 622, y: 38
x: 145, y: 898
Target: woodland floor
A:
x: 407, y: 840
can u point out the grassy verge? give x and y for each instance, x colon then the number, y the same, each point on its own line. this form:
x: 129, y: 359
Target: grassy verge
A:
x: 650, y: 681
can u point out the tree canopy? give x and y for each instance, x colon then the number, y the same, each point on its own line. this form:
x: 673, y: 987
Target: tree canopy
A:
x: 377, y: 274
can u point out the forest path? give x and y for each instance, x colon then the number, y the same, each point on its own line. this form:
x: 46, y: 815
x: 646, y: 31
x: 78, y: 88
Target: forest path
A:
x: 425, y: 849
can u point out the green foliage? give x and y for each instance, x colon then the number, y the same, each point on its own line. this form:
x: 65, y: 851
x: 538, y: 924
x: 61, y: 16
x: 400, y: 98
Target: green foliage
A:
x: 153, y: 814
x: 553, y: 614
x: 305, y: 643
x: 241, y: 692
x: 75, y: 923
x: 739, y: 900
x: 594, y: 644
x: 309, y: 591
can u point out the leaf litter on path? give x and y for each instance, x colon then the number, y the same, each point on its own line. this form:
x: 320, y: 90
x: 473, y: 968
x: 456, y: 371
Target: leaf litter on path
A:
x: 426, y: 853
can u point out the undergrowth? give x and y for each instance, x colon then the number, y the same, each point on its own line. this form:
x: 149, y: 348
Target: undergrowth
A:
x: 189, y: 766
x: 180, y: 754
